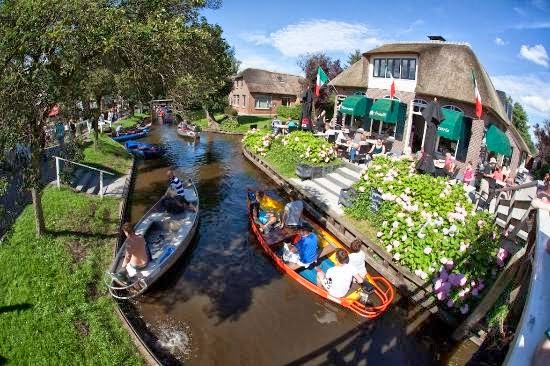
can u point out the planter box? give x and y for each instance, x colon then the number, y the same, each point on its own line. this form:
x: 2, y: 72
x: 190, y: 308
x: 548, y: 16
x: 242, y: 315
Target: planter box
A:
x: 347, y: 196
x: 305, y: 171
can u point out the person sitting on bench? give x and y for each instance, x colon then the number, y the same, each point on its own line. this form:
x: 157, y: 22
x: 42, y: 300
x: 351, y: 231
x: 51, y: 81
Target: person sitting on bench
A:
x: 304, y: 252
x: 357, y: 258
x: 337, y: 280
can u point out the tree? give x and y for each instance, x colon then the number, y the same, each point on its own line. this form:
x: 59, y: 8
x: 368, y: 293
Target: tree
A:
x: 309, y: 64
x: 521, y: 122
x: 353, y: 57
x: 45, y: 45
x: 542, y: 133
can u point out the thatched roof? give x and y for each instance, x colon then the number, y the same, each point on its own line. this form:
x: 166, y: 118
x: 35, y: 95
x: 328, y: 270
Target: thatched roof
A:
x: 445, y: 69
x: 352, y: 76
x: 263, y: 81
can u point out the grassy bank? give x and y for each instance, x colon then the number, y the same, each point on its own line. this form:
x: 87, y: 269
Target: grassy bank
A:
x: 54, y: 308
x: 131, y: 120
x: 109, y: 155
x: 243, y: 122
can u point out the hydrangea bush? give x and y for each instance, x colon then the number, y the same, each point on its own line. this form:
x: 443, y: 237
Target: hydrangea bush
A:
x: 429, y: 225
x: 298, y: 146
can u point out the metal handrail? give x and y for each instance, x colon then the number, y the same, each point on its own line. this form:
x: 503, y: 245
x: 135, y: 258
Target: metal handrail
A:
x: 84, y: 165
x: 518, y: 187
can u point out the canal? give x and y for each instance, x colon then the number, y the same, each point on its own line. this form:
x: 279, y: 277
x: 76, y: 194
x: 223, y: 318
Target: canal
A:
x: 226, y: 304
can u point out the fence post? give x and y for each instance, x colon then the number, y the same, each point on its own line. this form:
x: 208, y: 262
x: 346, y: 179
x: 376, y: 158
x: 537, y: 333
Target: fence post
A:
x: 101, y: 183
x: 57, y: 172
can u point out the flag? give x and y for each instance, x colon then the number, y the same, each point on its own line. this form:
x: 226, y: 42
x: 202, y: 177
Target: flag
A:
x: 392, y: 87
x: 479, y: 107
x: 322, y: 79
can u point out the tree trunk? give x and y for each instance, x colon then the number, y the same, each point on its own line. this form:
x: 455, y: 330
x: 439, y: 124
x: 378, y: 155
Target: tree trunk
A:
x: 94, y: 123
x: 212, y: 123
x: 38, y: 212
x: 35, y: 175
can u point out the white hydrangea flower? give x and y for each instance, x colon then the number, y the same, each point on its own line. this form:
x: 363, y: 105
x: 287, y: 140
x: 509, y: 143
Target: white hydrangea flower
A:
x: 397, y: 256
x: 427, y: 250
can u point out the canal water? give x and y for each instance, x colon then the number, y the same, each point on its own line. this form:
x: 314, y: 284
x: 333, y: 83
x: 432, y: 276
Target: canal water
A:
x: 225, y: 303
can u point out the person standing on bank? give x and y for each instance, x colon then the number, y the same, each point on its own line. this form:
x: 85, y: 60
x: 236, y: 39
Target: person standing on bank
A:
x: 487, y: 185
x: 355, y: 144
x: 59, y: 131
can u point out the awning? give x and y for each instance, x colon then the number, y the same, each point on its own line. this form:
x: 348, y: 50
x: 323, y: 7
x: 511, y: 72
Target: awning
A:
x: 356, y: 105
x: 496, y: 141
x: 452, y: 126
x: 388, y: 110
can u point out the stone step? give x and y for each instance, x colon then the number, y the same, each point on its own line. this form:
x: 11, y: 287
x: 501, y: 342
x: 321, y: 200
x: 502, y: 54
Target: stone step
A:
x: 339, y: 180
x: 328, y: 185
x: 348, y: 173
x: 83, y: 182
x: 93, y: 184
x: 77, y: 176
x: 356, y: 168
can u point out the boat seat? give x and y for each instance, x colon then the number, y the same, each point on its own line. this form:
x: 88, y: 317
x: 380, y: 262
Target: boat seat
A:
x: 146, y: 224
x: 321, y: 253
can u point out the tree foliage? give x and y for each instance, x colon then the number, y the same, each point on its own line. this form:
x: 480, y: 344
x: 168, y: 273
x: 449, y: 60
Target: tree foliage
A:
x: 542, y: 133
x: 521, y: 122
x: 353, y: 57
x: 309, y: 64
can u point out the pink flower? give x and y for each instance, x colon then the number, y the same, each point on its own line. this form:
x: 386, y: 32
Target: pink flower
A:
x: 473, y: 283
x: 438, y: 284
x: 475, y: 292
x: 441, y: 295
x: 481, y: 286
x: 464, y: 309
x: 450, y: 303
x: 462, y: 280
x: 443, y: 275
x: 461, y: 294
x: 501, y: 256
x: 449, y: 265
x: 446, y: 287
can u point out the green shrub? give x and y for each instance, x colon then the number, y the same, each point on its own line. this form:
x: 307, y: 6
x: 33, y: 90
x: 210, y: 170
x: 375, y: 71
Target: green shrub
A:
x: 230, y: 111
x: 229, y: 124
x: 294, y: 111
x: 426, y: 222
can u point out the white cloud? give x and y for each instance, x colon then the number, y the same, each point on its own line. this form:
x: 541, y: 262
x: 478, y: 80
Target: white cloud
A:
x: 318, y: 36
x: 520, y: 11
x: 411, y: 27
x: 500, y: 42
x: 532, y: 25
x: 540, y: 4
x: 261, y: 62
x: 536, y: 54
x: 530, y: 90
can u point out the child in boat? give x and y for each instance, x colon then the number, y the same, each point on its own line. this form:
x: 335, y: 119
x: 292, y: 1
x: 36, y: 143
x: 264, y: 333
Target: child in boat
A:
x: 178, y: 201
x: 337, y: 280
x: 357, y: 258
x: 265, y: 210
x: 304, y: 252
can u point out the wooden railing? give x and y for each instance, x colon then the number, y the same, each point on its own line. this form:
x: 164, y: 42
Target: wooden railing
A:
x: 58, y: 169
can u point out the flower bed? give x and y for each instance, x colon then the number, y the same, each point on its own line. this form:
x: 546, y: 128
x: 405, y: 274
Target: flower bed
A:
x: 285, y: 152
x: 429, y: 225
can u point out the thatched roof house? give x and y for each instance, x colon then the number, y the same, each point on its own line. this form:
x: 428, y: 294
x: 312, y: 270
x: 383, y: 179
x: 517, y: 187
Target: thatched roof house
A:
x: 424, y: 70
x: 257, y: 91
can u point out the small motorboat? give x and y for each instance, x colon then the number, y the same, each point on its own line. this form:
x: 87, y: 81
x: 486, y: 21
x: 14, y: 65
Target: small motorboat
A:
x: 188, y: 130
x: 307, y: 277
x: 143, y: 150
x: 167, y: 235
x: 130, y: 135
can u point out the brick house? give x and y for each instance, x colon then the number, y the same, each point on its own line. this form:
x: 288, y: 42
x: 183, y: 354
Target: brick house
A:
x: 423, y: 71
x: 257, y: 91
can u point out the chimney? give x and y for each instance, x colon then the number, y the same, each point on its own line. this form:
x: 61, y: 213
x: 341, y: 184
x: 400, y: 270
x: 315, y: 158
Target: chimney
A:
x: 437, y: 38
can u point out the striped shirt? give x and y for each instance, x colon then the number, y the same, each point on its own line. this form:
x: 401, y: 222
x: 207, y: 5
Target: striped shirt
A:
x: 177, y: 186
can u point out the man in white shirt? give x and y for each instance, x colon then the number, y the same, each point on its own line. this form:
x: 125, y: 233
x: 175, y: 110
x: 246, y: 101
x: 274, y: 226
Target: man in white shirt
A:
x: 337, y: 280
x: 292, y: 215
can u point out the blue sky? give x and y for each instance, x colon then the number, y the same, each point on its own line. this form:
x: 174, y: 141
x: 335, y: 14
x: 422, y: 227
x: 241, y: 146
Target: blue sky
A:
x: 511, y: 38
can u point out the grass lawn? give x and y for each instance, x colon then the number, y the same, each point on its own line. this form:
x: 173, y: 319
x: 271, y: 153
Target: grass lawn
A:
x: 244, y: 122
x: 109, y: 155
x: 54, y: 308
x: 131, y: 120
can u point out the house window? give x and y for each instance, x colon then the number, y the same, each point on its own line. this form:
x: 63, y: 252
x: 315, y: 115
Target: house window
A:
x: 444, y: 145
x: 399, y: 68
x: 236, y: 100
x: 263, y: 102
x: 452, y: 108
x: 285, y: 101
x: 419, y: 105
x: 244, y: 100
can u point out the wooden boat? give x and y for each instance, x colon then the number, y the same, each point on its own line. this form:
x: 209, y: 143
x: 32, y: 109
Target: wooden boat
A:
x: 143, y: 150
x: 377, y: 303
x: 131, y: 135
x: 188, y: 130
x: 167, y: 236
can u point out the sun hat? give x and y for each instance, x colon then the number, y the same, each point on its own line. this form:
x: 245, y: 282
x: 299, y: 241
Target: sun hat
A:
x: 492, y: 161
x: 360, y: 130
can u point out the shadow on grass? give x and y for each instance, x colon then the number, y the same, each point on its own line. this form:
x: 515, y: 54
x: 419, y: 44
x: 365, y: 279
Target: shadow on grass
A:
x: 17, y: 307
x: 3, y: 361
x: 60, y: 233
